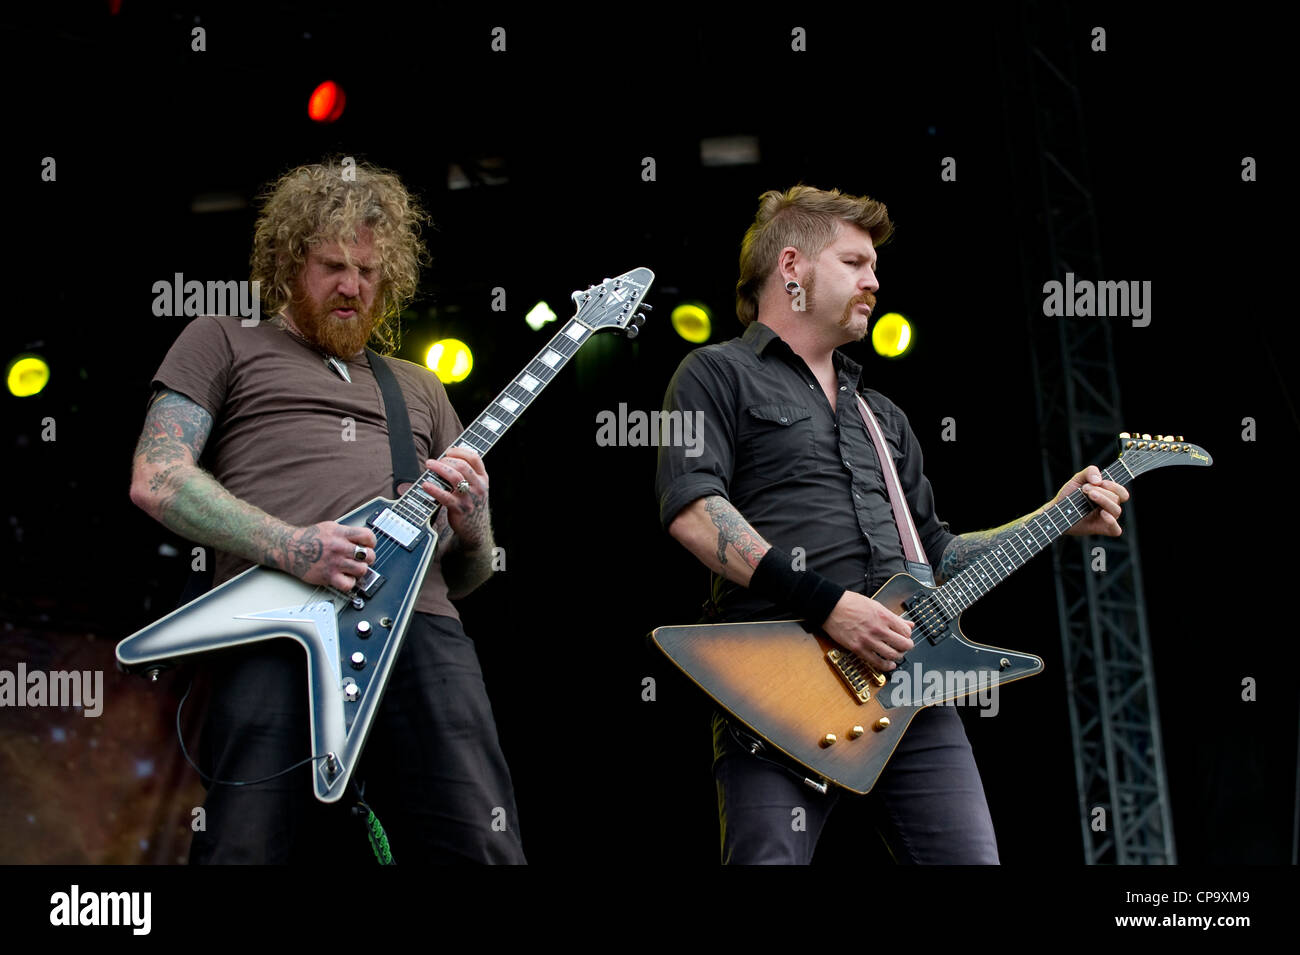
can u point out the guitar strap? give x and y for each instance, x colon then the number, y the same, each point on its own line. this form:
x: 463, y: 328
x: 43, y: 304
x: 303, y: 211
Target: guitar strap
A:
x: 917, y: 564
x: 401, y: 444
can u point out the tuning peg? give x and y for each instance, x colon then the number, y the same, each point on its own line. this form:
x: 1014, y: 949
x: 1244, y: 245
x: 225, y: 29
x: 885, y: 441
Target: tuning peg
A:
x: 1125, y: 434
x: 648, y: 308
x: 1180, y: 438
x: 577, y: 297
x: 638, y: 319
x: 633, y: 331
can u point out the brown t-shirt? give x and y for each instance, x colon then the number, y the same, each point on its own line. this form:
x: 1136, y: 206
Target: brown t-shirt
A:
x: 280, y: 440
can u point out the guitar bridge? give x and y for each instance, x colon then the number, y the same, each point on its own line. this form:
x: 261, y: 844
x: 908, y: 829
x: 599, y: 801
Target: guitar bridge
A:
x: 856, y: 672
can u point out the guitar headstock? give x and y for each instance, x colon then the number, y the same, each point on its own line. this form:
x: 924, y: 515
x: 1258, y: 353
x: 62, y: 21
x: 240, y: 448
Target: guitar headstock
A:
x: 614, y: 303
x: 1142, y: 452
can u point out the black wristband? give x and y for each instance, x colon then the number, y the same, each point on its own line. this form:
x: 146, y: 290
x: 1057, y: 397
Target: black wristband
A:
x: 810, y: 594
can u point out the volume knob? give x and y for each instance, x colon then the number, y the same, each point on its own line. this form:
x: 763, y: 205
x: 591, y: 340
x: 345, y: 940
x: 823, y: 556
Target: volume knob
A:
x: 358, y: 660
x: 363, y: 629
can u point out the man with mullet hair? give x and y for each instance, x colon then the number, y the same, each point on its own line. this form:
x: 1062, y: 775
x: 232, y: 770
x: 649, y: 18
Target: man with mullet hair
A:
x: 788, y: 462
x: 264, y: 407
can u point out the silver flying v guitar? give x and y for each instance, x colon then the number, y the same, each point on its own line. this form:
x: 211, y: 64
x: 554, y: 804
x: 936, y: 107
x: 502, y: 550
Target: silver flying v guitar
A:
x: 352, y: 639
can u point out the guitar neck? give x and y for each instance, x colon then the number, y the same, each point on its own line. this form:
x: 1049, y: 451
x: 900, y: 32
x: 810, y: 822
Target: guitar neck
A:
x: 504, y: 410
x: 998, y: 563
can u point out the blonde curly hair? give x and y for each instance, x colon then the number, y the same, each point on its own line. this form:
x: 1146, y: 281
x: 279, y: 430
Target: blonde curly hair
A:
x: 316, y: 204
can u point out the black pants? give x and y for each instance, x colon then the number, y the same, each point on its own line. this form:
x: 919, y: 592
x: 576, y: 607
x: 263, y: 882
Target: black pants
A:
x: 432, y: 768
x: 928, y: 804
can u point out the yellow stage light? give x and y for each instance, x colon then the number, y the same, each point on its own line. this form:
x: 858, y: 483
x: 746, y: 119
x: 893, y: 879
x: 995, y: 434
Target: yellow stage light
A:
x: 450, y: 359
x: 892, y: 335
x: 27, y: 375
x: 693, y: 322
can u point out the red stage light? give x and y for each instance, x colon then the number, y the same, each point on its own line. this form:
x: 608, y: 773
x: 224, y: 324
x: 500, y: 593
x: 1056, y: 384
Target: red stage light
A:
x: 326, y: 103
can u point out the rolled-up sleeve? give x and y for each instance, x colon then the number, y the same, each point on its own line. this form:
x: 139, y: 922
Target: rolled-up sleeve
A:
x: 702, y: 394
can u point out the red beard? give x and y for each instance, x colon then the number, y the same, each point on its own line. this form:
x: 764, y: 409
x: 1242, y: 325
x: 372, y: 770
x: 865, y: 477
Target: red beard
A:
x: 341, y: 337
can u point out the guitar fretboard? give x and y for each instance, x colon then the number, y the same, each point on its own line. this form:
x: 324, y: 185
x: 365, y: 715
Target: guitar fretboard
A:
x: 483, y: 432
x: 998, y: 563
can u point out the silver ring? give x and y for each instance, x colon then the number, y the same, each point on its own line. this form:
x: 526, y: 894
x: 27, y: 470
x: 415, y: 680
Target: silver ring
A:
x: 462, y: 487
x: 359, y: 554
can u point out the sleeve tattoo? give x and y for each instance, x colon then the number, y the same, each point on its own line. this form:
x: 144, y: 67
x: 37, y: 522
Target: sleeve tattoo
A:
x: 734, y: 530
x: 192, y: 503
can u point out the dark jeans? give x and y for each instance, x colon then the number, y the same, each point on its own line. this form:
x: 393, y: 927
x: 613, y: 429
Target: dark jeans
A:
x: 928, y: 804
x: 432, y: 768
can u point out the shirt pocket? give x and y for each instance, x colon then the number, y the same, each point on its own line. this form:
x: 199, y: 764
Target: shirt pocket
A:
x: 776, y: 441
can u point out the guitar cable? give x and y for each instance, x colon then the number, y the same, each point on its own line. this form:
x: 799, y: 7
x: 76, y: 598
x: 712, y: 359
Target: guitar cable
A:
x: 374, y: 828
x: 227, y: 782
x: 753, y: 746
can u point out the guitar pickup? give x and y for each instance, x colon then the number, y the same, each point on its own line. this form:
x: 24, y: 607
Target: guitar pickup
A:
x: 371, y: 582
x: 397, y: 528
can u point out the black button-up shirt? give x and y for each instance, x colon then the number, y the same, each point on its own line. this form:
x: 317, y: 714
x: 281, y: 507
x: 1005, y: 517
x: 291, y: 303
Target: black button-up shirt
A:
x: 804, y: 476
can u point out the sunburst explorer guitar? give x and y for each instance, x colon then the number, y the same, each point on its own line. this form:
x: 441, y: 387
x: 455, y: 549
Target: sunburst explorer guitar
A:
x: 352, y: 639
x: 824, y: 708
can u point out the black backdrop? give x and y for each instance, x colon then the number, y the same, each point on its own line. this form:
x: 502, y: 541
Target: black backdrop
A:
x: 140, y: 125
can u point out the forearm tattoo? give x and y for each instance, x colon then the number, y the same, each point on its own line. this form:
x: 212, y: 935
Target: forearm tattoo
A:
x: 734, y: 530
x: 480, y: 520
x: 193, y: 503
x: 962, y: 551
x: 464, y: 568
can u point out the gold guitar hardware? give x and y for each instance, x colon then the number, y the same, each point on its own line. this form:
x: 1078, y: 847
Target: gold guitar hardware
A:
x: 792, y: 682
x: 851, y: 669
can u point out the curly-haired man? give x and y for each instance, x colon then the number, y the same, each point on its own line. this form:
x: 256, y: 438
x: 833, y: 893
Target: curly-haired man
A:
x: 337, y: 253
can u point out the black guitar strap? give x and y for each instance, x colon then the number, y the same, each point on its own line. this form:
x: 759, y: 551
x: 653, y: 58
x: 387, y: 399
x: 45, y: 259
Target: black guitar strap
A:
x: 400, y: 441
